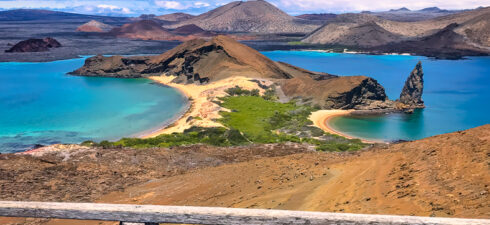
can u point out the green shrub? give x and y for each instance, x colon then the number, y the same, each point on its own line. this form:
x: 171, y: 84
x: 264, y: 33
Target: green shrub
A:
x: 252, y: 119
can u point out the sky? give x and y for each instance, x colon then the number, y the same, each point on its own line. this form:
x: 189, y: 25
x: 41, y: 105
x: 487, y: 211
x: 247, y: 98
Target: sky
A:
x: 294, y: 7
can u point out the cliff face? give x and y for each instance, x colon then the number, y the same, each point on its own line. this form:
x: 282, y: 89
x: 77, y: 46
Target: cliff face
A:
x: 350, y: 92
x: 35, y: 45
x: 411, y: 95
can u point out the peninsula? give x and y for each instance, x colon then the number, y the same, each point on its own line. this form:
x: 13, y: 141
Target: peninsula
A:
x: 203, y: 70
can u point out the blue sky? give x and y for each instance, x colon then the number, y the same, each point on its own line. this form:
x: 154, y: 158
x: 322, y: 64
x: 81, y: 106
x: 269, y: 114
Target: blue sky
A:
x: 137, y: 7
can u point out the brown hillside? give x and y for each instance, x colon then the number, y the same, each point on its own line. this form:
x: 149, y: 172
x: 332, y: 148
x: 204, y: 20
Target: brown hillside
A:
x: 368, y: 34
x: 444, y: 42
x: 338, y: 30
x: 192, y: 29
x: 320, y: 16
x: 250, y: 16
x: 445, y: 175
x: 477, y: 30
x: 199, y: 61
x: 175, y: 17
x: 94, y: 26
x: 145, y: 30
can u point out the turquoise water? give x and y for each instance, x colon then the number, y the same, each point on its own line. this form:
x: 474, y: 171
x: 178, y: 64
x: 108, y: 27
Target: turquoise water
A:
x: 456, y: 94
x: 40, y: 104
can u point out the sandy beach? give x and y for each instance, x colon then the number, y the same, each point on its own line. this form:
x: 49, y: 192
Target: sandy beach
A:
x: 203, y: 112
x: 320, y: 119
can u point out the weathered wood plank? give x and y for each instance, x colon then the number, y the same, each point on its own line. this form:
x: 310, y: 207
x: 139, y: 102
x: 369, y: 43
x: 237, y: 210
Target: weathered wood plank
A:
x: 208, y: 215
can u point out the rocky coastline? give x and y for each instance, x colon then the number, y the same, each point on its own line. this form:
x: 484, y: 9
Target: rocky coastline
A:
x: 201, y: 62
x: 35, y: 45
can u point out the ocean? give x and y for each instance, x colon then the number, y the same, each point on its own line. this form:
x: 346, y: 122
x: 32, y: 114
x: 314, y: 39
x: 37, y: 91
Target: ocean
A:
x: 41, y: 104
x: 456, y: 92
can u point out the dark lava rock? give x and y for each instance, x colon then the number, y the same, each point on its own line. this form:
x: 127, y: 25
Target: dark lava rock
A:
x: 414, y: 86
x: 35, y: 45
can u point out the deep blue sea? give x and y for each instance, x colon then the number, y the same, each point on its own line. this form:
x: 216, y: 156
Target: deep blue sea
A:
x: 40, y: 104
x: 456, y: 94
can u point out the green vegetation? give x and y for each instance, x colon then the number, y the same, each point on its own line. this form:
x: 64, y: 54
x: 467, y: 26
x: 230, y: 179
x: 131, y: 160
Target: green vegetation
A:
x: 252, y: 119
x: 251, y: 114
x: 297, y: 43
x: 238, y: 91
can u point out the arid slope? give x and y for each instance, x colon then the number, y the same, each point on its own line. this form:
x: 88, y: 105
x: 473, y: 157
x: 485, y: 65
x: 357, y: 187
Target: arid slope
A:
x: 446, y: 175
x: 341, y: 29
x: 250, y: 16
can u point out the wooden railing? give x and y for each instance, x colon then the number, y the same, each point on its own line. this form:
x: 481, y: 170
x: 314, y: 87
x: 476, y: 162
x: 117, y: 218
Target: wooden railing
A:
x: 152, y: 214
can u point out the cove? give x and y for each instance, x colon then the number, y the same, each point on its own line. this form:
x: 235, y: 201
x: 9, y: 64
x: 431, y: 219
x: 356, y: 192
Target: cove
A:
x: 40, y: 104
x: 456, y: 92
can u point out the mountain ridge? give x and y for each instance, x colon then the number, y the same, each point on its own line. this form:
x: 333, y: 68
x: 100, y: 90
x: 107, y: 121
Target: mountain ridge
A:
x: 250, y: 16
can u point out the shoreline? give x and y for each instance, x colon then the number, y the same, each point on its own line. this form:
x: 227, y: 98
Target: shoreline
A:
x: 321, y: 120
x: 202, y: 111
x: 179, y: 118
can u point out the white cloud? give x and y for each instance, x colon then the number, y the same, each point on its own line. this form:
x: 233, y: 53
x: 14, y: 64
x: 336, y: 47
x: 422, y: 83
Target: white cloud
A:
x: 111, y: 7
x: 103, y: 8
x: 171, y: 5
x: 201, y: 4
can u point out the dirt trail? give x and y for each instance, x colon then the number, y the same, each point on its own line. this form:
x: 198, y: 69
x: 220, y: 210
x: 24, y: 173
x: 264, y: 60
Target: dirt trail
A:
x: 446, y: 175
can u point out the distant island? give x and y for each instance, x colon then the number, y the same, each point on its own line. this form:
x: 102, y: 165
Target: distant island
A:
x: 432, y: 32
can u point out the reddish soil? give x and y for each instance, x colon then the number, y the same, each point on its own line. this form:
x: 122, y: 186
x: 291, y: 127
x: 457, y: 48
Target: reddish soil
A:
x: 446, y: 175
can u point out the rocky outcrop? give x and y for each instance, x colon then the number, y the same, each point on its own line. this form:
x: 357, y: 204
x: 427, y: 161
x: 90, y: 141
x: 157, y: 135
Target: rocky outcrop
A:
x: 411, y: 95
x: 35, y: 45
x: 350, y: 92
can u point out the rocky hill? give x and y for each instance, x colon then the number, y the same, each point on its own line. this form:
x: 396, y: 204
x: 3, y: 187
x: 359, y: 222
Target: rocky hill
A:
x: 145, y: 30
x: 192, y: 29
x: 443, y: 176
x: 199, y: 61
x: 94, y: 26
x: 175, y: 17
x: 35, y: 45
x: 446, y: 43
x: 366, y: 30
x: 368, y: 34
x: 477, y: 30
x: 250, y: 16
